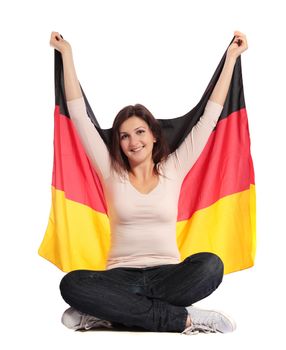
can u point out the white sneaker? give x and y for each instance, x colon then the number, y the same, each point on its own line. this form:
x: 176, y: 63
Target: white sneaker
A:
x: 75, y: 320
x: 208, y: 321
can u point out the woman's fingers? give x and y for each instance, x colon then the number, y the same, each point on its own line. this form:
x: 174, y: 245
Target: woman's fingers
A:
x: 59, y: 43
x: 56, y: 35
x: 55, y: 40
x: 240, y: 38
x: 59, y: 36
x: 238, y: 45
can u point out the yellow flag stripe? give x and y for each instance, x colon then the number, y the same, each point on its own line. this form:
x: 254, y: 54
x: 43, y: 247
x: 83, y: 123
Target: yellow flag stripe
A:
x: 226, y: 228
x: 78, y: 237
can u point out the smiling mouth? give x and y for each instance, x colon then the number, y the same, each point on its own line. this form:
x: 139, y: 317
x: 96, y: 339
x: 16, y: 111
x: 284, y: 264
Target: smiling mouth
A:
x: 137, y: 150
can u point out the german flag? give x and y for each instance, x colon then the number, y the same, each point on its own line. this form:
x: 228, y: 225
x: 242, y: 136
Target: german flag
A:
x: 217, y: 203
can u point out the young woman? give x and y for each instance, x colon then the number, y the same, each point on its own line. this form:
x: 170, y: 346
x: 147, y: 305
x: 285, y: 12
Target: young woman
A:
x: 145, y: 284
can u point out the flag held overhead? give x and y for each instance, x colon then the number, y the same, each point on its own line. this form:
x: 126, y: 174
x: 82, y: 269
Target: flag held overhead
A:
x: 217, y: 202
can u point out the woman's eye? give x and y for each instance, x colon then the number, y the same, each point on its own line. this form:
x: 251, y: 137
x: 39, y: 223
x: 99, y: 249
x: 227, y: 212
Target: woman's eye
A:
x: 139, y: 131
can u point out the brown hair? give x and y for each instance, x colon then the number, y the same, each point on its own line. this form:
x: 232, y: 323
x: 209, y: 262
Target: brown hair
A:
x: 160, y: 152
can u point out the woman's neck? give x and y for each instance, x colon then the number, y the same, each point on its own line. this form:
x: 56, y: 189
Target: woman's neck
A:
x: 143, y: 173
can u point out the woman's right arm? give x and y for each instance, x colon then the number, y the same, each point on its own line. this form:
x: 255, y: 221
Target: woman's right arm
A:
x: 91, y: 140
x: 72, y: 87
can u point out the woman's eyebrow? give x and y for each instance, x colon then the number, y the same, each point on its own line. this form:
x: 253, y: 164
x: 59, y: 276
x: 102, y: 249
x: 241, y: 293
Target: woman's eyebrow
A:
x: 124, y: 132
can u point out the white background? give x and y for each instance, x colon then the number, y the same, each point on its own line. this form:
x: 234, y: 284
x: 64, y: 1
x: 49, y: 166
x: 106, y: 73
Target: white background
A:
x: 161, y: 54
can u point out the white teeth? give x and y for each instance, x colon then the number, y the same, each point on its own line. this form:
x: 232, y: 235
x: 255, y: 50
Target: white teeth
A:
x: 137, y: 149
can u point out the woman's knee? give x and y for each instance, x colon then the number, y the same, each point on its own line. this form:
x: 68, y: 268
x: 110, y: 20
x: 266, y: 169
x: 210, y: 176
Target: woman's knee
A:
x: 67, y: 284
x: 211, y: 264
x: 71, y: 283
x: 215, y: 265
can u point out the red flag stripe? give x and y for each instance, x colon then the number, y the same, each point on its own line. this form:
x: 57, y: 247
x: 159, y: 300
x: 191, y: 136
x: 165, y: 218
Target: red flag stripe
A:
x: 223, y: 168
x: 79, y: 181
x: 231, y: 150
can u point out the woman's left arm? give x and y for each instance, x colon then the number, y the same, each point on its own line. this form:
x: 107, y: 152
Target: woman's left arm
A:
x: 221, y: 88
x: 185, y: 156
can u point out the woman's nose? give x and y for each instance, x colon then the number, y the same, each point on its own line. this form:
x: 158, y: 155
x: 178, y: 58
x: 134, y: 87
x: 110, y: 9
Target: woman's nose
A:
x: 133, y: 141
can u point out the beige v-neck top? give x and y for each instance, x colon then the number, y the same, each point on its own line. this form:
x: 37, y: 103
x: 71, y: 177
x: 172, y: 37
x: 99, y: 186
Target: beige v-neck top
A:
x: 143, y: 226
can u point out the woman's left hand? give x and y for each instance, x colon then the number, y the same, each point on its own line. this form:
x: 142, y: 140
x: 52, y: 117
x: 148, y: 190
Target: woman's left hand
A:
x: 238, y: 45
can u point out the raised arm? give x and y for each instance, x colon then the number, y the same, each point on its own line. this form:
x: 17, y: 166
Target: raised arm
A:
x: 91, y: 140
x: 220, y: 91
x: 189, y: 151
x: 72, y: 87
x: 185, y: 156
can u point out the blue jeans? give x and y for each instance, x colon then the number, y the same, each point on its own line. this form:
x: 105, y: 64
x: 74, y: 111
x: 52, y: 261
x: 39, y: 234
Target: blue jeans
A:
x: 151, y: 298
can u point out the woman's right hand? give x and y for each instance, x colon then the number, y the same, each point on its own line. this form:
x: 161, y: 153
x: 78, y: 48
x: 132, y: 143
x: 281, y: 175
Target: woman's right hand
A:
x: 59, y: 43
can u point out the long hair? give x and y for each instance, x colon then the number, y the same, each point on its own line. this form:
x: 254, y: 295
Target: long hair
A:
x: 160, y: 152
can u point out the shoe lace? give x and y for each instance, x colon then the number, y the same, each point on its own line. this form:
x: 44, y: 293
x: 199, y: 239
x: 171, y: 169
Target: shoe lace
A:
x: 196, y: 328
x: 89, y: 321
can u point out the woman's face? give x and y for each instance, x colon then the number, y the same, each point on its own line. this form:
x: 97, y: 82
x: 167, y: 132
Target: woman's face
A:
x: 136, y: 140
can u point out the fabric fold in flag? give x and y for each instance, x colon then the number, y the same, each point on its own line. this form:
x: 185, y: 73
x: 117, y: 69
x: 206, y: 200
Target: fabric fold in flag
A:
x: 217, y: 203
